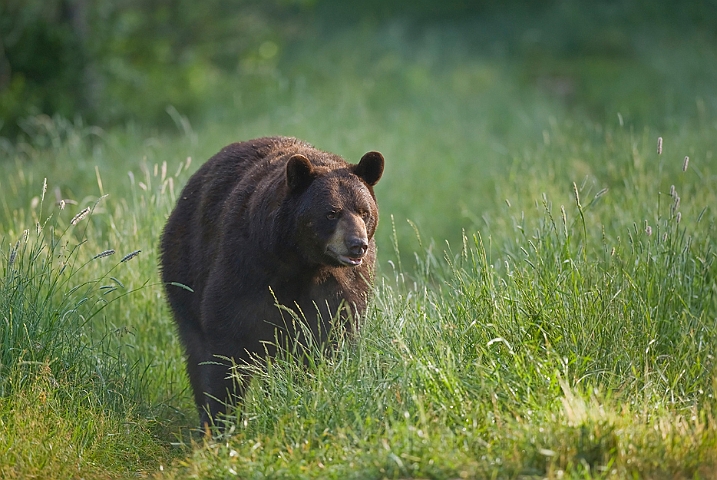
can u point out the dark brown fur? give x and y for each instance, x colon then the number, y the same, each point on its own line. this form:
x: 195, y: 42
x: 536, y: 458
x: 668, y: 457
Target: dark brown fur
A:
x: 267, y: 220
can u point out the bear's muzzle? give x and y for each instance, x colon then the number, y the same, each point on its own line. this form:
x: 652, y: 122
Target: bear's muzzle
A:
x: 349, y: 242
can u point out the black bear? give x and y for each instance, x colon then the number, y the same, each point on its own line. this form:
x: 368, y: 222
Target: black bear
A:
x: 266, y: 222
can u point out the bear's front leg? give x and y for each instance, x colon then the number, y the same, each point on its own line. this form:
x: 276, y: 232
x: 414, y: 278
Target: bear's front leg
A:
x: 231, y: 346
x: 221, y: 385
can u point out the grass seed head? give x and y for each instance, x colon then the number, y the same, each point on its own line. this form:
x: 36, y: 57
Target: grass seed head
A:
x: 13, y: 254
x: 577, y: 195
x: 601, y: 193
x: 106, y: 253
x: 685, y: 163
x: 77, y: 218
x: 659, y: 145
x: 130, y: 256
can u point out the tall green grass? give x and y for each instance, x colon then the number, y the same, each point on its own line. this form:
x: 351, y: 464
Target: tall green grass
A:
x: 562, y: 335
x: 70, y: 387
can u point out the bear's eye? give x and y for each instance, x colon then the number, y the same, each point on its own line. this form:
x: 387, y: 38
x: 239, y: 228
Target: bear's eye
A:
x: 332, y: 215
x: 365, y: 215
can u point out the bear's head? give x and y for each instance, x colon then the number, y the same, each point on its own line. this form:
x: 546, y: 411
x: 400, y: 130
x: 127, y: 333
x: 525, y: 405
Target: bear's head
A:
x: 336, y: 213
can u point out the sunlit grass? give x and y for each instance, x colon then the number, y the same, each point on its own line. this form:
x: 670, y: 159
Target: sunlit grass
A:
x: 52, y: 428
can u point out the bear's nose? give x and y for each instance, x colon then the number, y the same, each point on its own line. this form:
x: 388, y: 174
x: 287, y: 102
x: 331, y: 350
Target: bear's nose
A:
x: 357, y: 246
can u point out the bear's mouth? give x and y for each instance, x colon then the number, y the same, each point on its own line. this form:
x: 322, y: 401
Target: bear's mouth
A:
x: 344, y: 259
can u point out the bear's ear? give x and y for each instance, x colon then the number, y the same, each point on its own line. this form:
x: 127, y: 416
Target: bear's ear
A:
x: 370, y: 168
x: 299, y: 173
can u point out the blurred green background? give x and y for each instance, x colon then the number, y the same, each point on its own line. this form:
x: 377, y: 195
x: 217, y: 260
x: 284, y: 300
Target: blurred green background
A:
x: 128, y: 60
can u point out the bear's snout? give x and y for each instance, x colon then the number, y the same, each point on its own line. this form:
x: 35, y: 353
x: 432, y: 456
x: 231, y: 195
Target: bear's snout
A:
x: 349, y: 242
x: 357, y: 246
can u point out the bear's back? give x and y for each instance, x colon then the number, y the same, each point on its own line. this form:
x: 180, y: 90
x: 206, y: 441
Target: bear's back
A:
x: 188, y: 243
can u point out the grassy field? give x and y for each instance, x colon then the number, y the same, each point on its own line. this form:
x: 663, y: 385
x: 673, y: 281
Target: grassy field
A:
x: 546, y: 304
